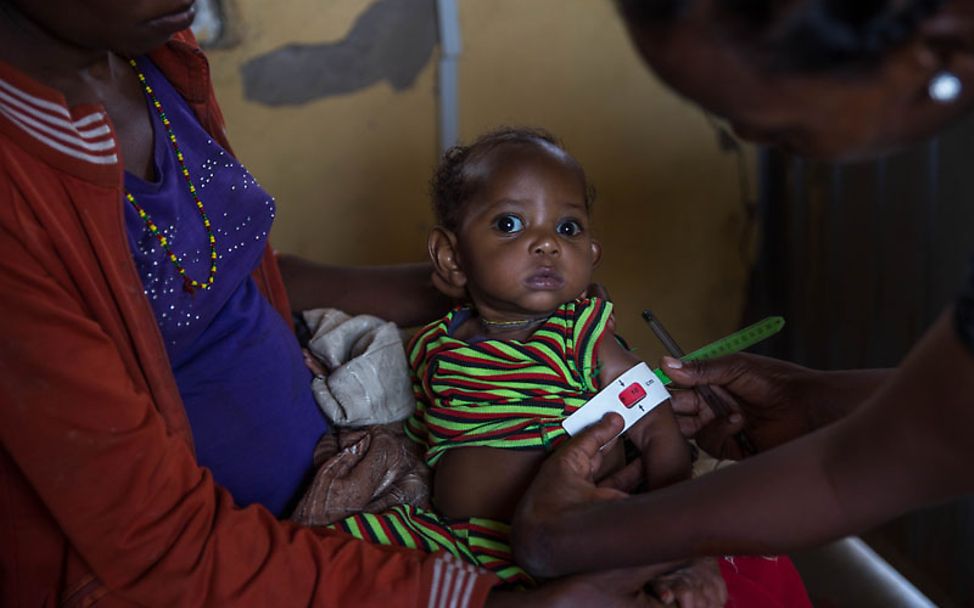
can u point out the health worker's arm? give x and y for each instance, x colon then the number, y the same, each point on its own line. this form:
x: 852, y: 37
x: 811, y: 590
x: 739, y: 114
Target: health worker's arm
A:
x: 905, y: 447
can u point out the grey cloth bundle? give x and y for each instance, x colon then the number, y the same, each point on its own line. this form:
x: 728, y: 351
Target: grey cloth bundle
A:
x: 368, y: 377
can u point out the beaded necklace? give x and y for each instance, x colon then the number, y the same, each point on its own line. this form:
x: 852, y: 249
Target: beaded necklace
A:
x: 511, y: 325
x: 189, y: 283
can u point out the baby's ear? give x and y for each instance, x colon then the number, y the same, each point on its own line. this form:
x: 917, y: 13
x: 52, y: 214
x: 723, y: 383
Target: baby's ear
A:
x: 442, y: 246
x: 596, y: 253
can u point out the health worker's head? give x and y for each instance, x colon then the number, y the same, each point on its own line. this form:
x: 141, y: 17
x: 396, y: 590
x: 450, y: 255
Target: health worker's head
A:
x: 831, y: 79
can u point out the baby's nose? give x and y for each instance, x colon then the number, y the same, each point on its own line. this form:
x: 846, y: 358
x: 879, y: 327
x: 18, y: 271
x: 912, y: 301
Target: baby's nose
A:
x: 546, y: 244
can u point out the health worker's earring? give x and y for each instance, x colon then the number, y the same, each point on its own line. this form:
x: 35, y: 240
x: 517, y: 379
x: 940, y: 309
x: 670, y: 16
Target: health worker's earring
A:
x: 944, y: 87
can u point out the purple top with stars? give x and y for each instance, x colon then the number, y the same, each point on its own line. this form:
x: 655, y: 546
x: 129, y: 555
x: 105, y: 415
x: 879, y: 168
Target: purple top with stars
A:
x: 238, y: 366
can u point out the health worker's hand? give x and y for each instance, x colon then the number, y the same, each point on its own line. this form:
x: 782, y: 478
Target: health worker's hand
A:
x: 565, y: 482
x: 769, y: 397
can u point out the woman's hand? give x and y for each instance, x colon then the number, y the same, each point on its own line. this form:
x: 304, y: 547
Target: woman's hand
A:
x: 313, y: 364
x: 775, y: 401
x: 696, y: 585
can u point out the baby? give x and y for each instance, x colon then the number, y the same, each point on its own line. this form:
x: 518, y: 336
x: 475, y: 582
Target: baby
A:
x: 495, y: 379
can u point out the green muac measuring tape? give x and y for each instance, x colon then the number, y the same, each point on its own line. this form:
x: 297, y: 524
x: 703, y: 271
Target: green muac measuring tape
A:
x: 735, y: 342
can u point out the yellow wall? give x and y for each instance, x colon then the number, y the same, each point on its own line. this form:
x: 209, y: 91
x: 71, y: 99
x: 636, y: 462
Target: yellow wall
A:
x: 350, y: 173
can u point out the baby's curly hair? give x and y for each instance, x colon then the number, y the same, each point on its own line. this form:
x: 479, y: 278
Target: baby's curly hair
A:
x: 453, y: 184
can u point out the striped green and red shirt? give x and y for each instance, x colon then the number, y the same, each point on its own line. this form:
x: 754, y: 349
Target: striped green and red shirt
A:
x: 509, y: 394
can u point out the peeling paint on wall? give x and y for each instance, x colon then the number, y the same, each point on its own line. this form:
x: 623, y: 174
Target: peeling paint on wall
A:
x: 392, y: 40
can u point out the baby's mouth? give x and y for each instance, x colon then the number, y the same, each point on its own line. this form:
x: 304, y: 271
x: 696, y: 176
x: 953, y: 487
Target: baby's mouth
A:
x: 545, y: 278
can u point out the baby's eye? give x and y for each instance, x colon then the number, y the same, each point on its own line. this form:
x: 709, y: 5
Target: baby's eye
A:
x: 509, y: 223
x: 568, y: 228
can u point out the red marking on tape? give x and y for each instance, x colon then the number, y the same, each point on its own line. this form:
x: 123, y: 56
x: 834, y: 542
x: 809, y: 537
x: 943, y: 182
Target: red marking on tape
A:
x: 632, y: 394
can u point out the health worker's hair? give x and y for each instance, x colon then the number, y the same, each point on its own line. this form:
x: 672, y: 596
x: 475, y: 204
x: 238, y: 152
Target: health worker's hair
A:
x: 804, y: 35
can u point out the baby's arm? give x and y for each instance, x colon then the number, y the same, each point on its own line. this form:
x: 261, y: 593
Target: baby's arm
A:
x: 664, y: 451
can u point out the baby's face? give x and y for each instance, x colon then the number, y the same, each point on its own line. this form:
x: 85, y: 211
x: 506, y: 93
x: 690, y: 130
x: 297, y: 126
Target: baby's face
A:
x: 524, y: 241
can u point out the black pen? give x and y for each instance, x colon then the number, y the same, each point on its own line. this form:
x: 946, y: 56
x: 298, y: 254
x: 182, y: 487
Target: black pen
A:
x: 720, y: 407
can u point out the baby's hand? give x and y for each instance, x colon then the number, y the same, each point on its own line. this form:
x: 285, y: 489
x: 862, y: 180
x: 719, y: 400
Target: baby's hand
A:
x: 697, y: 585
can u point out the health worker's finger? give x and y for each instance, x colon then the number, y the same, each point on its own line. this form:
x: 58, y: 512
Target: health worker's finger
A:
x: 625, y: 479
x: 589, y: 442
x: 709, y: 371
